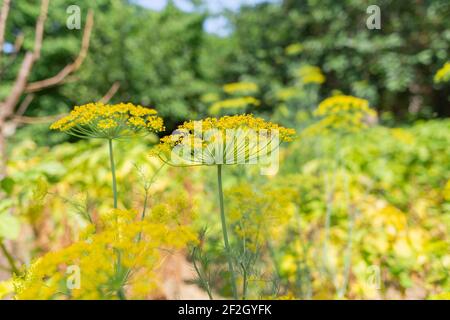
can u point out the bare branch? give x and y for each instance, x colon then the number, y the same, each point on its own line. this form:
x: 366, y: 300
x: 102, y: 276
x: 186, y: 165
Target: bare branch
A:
x: 20, y: 119
x: 111, y: 92
x: 70, y: 68
x: 27, y: 64
x: 39, y: 36
x: 19, y: 86
x: 18, y: 43
x: 3, y: 17
x: 37, y: 120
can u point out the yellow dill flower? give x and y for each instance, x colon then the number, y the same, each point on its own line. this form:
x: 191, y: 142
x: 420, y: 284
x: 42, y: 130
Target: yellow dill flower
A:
x: 339, y: 103
x: 6, y: 288
x: 288, y: 265
x: 403, y: 136
x: 443, y: 74
x: 293, y: 49
x: 239, y: 139
x: 209, y: 97
x: 96, y: 257
x: 392, y: 219
x: 287, y: 93
x: 107, y: 124
x: 341, y: 113
x: 446, y: 191
x: 310, y: 74
x: 104, y: 121
x: 440, y: 296
x: 234, y: 103
x: 240, y: 87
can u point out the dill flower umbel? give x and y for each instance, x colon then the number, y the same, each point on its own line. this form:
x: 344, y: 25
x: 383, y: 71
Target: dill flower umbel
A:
x: 239, y: 139
x: 109, y: 122
x: 341, y: 114
x: 241, y: 98
x: 104, y: 121
x: 311, y: 74
x: 285, y: 94
x: 233, y: 103
x: 240, y: 87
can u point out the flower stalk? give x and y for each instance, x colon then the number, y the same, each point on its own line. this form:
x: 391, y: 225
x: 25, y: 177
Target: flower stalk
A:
x: 225, y: 233
x: 120, y: 291
x: 113, y: 171
x: 9, y: 257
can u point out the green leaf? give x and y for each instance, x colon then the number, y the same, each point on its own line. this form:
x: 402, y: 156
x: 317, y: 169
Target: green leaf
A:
x: 9, y: 226
x: 7, y: 185
x: 5, y: 204
x: 52, y: 169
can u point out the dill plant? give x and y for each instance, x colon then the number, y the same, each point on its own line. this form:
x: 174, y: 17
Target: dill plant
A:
x: 111, y: 122
x: 339, y: 116
x: 218, y: 142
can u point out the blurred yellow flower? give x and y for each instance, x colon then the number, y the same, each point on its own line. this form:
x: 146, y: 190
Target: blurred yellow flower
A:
x: 446, y: 192
x: 287, y: 93
x: 107, y: 260
x: 311, y: 74
x: 234, y: 103
x: 240, y: 87
x: 293, y: 49
x: 6, y: 288
x: 341, y: 113
x: 209, y: 97
x: 443, y: 74
x: 402, y: 135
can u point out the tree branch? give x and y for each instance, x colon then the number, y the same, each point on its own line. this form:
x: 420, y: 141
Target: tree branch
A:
x: 24, y: 105
x: 36, y: 120
x: 111, y: 92
x: 20, y: 119
x: 27, y: 64
x: 19, y: 86
x: 39, y: 35
x: 58, y: 78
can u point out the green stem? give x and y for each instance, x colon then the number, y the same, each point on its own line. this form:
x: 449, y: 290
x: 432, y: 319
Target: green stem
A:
x: 204, y: 282
x: 274, y: 259
x: 144, y: 210
x: 9, y: 258
x: 244, y: 285
x: 120, y: 291
x: 143, y: 214
x: 225, y: 234
x: 113, y: 171
x: 348, y: 255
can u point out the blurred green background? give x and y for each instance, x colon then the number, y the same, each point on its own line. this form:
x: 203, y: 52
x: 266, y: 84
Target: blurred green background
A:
x: 375, y: 198
x: 168, y: 60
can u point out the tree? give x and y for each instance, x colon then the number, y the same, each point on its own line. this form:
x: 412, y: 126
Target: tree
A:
x: 13, y: 106
x: 392, y: 67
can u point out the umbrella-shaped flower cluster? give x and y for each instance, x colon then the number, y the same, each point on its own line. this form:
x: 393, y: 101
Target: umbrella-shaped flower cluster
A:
x: 104, y: 121
x: 240, y: 139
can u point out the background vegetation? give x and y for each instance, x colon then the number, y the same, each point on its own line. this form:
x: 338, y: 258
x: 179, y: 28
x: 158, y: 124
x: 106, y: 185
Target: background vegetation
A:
x: 354, y: 215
